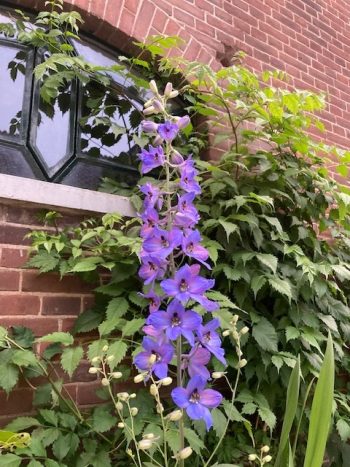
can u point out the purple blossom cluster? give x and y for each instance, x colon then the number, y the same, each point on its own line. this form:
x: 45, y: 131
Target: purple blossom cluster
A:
x: 171, y: 259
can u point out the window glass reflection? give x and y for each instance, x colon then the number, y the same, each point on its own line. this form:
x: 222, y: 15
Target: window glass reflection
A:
x: 12, y: 81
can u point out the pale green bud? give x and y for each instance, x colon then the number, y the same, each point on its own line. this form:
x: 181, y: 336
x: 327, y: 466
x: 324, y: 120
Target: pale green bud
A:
x: 93, y: 370
x: 105, y: 348
x: 153, y: 86
x: 267, y: 459
x: 185, y: 453
x: 134, y: 411
x: 174, y: 416
x: 252, y: 457
x: 121, y: 425
x: 139, y: 378
x: 244, y: 331
x: 95, y: 360
x: 105, y: 382
x: 265, y: 449
x: 110, y: 358
x: 218, y: 374
x: 153, y: 389
x: 242, y: 363
x: 166, y: 381
x: 123, y: 396
x: 149, y: 436
x: 226, y: 333
x: 119, y: 406
x: 116, y: 374
x: 145, y: 444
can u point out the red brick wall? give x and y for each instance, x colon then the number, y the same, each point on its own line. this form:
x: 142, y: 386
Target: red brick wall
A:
x: 309, y: 39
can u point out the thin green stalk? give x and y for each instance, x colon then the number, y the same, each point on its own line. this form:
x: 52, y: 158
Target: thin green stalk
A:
x: 301, y: 417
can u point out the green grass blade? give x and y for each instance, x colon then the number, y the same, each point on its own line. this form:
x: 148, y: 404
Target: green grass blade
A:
x: 291, y: 408
x: 321, y: 410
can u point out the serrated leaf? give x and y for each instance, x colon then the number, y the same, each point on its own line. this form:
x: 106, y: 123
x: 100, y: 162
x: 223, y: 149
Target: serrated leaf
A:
x: 219, y: 422
x: 229, y: 227
x: 87, y: 321
x: 268, y: 260
x: 257, y: 283
x: 22, y: 423
x: 63, y: 338
x: 133, y: 326
x: 265, y: 335
x: 277, y: 361
x: 49, y: 416
x: 292, y: 333
x: 43, y: 261
x: 116, y: 308
x: 9, y: 377
x: 87, y: 264
x: 281, y: 286
x: 194, y: 440
x: 10, y: 460
x: 118, y: 349
x: 267, y: 416
x: 103, y: 420
x: 95, y: 348
x: 71, y: 358
x: 24, y: 358
x: 343, y: 428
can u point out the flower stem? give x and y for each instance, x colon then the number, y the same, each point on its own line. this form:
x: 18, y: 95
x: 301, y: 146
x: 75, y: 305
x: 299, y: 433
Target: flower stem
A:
x: 179, y: 384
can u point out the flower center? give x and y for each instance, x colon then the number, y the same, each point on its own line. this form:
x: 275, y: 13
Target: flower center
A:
x: 164, y: 242
x: 195, y: 397
x: 207, y: 337
x: 175, y: 321
x: 152, y: 266
x: 183, y: 286
x: 190, y: 247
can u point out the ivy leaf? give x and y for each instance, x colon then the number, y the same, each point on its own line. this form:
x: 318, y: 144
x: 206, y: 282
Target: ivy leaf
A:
x: 118, y: 349
x: 133, y: 326
x: 70, y: 359
x: 343, y: 429
x: 265, y: 335
x: 281, y: 286
x: 63, y: 338
x: 268, y: 260
x: 102, y: 420
x: 9, y: 377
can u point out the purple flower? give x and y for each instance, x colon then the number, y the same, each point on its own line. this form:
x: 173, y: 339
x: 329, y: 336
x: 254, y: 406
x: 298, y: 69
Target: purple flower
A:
x: 161, y: 242
x: 210, y: 339
x: 196, y: 400
x: 176, y: 321
x: 188, y: 181
x: 182, y: 122
x: 155, y: 358
x: 150, y: 219
x: 152, y: 268
x: 187, y: 284
x: 148, y: 126
x: 168, y: 131
x: 152, y: 194
x: 195, y: 362
x: 191, y: 247
x: 185, y: 206
x: 152, y: 158
x: 154, y: 300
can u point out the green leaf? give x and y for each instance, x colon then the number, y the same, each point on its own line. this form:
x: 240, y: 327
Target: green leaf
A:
x: 229, y: 227
x: 116, y: 308
x: 292, y: 333
x: 71, y: 358
x: 133, y: 326
x: 321, y: 410
x: 9, y: 377
x: 281, y: 286
x: 23, y: 336
x: 290, y: 411
x: 194, y: 440
x: 87, y: 321
x: 10, y: 460
x: 61, y: 446
x: 49, y: 416
x: 44, y: 261
x: 24, y: 358
x: 52, y: 463
x: 118, y: 349
x: 102, y: 420
x: 219, y: 422
x: 63, y: 338
x: 267, y: 416
x: 88, y: 264
x: 22, y: 423
x: 343, y: 429
x: 265, y: 335
x: 257, y: 283
x: 268, y: 260
x: 95, y: 348
x: 34, y: 463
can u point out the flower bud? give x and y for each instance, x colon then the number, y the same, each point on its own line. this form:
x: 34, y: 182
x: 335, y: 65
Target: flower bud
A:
x: 160, y: 408
x: 173, y: 94
x: 130, y: 453
x: 105, y: 382
x: 139, y: 378
x: 95, y: 360
x: 153, y: 86
x: 183, y: 122
x: 93, y: 370
x: 226, y: 333
x: 149, y: 111
x: 168, y: 89
x: 148, y: 103
x: 242, y: 363
x: 119, y: 406
x: 132, y: 396
x: 239, y: 352
x: 234, y: 319
x: 145, y: 444
x: 252, y: 457
x: 116, y: 374
x: 235, y: 335
x: 175, y: 415
x: 158, y: 106
x: 121, y: 425
x: 265, y: 449
x: 123, y: 396
x: 110, y: 358
x: 158, y: 140
x: 149, y: 436
x: 266, y: 459
x: 176, y: 158
x: 134, y: 411
x: 218, y: 374
x: 185, y: 453
x: 244, y: 331
x: 166, y: 381
x: 105, y: 348
x: 153, y: 390
x: 148, y: 126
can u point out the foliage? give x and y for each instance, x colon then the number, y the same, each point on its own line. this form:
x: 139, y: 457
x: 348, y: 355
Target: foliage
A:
x: 277, y: 229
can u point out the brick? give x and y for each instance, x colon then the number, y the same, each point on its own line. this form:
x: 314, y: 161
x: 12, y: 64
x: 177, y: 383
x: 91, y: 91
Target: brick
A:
x: 183, y: 17
x: 39, y: 325
x: 19, y: 305
x: 13, y: 258
x: 61, y: 306
x: 143, y: 19
x: 18, y: 401
x: 13, y: 235
x: 9, y: 280
x: 126, y: 22
x: 34, y: 282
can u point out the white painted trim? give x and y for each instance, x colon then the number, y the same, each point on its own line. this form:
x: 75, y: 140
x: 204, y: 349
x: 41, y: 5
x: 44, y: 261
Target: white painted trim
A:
x: 62, y: 196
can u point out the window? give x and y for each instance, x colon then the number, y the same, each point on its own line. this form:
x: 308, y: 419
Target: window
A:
x: 63, y: 143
